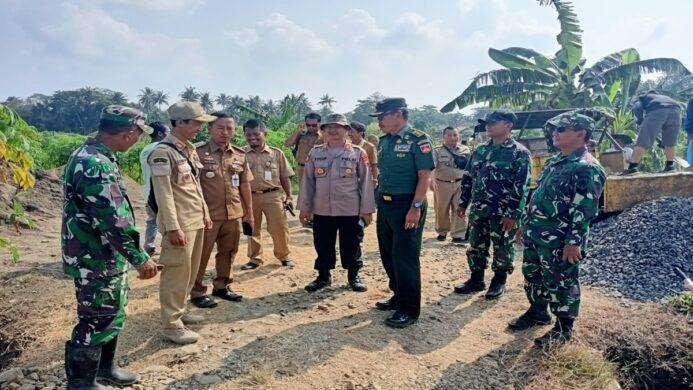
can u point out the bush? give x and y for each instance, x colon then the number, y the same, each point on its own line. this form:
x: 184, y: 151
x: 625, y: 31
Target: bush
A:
x: 54, y: 148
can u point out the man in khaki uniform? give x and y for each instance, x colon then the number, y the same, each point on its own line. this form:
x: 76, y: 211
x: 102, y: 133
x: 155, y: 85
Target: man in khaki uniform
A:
x: 303, y: 139
x: 225, y: 181
x: 450, y: 157
x: 182, y: 216
x: 356, y: 135
x: 271, y: 172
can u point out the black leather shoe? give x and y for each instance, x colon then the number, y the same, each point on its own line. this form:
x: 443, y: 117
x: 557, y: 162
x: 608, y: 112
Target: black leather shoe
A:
x: 459, y: 241
x: 249, y: 265
x: 287, y: 263
x: 473, y: 284
x: 536, y: 315
x: 388, y: 304
x: 497, y: 287
x: 227, y: 294
x: 318, y: 283
x: 669, y: 168
x: 109, y: 371
x: 441, y: 237
x: 356, y: 284
x: 400, y: 320
x: 203, y: 302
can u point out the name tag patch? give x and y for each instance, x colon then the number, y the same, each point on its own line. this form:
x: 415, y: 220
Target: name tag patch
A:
x: 402, y: 147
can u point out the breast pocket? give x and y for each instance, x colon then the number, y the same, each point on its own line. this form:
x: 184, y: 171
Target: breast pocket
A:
x: 210, y: 171
x: 347, y: 169
x: 185, y: 174
x: 320, y: 169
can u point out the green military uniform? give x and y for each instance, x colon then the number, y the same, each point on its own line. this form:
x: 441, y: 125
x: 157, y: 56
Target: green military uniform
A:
x: 495, y: 182
x: 400, y: 157
x: 99, y: 238
x: 560, y: 210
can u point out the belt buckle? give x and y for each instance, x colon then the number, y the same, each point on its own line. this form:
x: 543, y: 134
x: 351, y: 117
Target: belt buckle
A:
x: 387, y: 198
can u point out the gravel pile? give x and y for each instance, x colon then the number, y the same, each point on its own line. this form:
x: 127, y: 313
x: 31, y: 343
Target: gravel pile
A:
x: 635, y: 252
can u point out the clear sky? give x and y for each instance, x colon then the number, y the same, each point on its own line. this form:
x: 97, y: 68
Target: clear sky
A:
x: 426, y: 51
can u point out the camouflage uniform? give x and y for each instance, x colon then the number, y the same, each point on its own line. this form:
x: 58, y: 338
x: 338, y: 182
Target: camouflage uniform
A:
x: 560, y: 210
x: 99, y: 238
x: 496, y: 182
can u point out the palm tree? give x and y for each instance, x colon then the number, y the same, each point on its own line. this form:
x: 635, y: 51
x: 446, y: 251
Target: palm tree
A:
x: 326, y: 101
x: 206, y: 102
x: 190, y: 94
x: 119, y: 98
x: 160, y: 98
x: 223, y: 100
x: 532, y: 80
x: 146, y: 99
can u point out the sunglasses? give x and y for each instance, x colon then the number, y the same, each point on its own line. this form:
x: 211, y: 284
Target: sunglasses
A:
x: 312, y: 125
x: 564, y: 129
x: 384, y: 114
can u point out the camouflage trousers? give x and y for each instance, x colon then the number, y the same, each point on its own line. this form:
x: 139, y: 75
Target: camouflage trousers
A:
x: 549, y: 280
x: 484, y: 232
x: 101, y: 309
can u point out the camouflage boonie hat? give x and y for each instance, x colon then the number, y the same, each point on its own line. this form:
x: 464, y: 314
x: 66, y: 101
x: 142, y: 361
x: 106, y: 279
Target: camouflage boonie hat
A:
x: 126, y: 116
x: 499, y: 115
x: 335, y: 119
x: 572, y: 119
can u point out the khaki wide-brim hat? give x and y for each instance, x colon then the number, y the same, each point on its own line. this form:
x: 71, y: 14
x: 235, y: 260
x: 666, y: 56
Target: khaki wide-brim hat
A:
x: 335, y: 119
x: 185, y: 110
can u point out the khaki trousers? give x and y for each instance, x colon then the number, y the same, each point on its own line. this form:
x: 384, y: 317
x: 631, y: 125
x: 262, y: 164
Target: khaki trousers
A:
x: 445, y: 202
x: 178, y: 276
x: 226, y: 235
x: 271, y: 205
x: 300, y: 169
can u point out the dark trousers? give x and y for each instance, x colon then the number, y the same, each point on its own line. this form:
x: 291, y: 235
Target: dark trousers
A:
x: 360, y: 234
x: 325, y: 230
x: 400, y: 249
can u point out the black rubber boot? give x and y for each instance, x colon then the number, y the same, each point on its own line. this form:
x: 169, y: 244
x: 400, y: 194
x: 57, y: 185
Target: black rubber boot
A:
x: 355, y: 281
x: 473, y: 284
x: 108, y: 370
x: 81, y: 365
x: 534, y: 316
x: 497, y: 287
x: 323, y: 280
x: 560, y: 334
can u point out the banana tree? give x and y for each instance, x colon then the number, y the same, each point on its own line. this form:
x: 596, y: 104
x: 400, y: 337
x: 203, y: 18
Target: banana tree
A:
x: 531, y: 80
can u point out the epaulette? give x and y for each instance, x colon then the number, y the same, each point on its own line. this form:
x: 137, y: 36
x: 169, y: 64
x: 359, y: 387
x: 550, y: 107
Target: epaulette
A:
x: 200, y: 144
x: 417, y: 133
x: 237, y: 149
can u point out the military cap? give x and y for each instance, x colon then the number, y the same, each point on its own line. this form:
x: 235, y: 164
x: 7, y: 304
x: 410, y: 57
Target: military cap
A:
x: 572, y: 119
x: 499, y: 115
x: 126, y: 116
x: 388, y: 104
x: 184, y: 110
x: 335, y: 119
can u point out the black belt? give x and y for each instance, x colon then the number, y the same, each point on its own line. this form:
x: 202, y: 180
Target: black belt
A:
x: 396, y: 197
x: 303, y: 165
x: 449, y: 181
x: 266, y: 191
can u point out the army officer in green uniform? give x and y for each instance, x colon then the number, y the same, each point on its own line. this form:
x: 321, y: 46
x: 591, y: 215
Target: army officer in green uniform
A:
x: 405, y: 162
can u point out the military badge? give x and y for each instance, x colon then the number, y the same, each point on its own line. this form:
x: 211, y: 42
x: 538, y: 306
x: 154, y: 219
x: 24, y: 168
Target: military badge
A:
x: 425, y: 148
x: 348, y: 171
x: 319, y: 171
x: 210, y: 174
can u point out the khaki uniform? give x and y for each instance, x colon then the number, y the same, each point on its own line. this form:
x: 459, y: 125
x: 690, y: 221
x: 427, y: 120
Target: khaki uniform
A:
x: 337, y: 188
x: 223, y: 171
x: 181, y: 205
x: 446, y: 198
x: 305, y: 144
x: 268, y: 167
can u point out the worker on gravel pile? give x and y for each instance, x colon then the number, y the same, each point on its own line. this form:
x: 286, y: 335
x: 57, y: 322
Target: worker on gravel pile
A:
x: 556, y: 227
x: 495, y: 183
x: 99, y: 239
x: 337, y: 189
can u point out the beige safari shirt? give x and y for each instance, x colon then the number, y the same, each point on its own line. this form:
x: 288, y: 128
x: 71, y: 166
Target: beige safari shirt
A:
x: 445, y: 163
x: 337, y: 185
x: 223, y: 171
x: 305, y: 144
x: 370, y: 151
x: 176, y: 186
x: 268, y: 166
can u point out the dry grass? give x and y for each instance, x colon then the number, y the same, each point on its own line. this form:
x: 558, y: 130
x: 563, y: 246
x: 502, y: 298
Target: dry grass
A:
x: 575, y: 366
x: 259, y: 374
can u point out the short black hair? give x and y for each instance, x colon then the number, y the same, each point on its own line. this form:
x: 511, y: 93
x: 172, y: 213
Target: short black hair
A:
x: 158, y: 128
x: 312, y: 115
x: 221, y: 115
x: 405, y: 113
x: 254, y: 124
x: 113, y: 128
x: 358, y: 126
x: 445, y: 130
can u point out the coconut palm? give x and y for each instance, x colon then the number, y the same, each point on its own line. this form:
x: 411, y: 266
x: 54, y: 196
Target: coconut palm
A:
x: 190, y: 94
x: 223, y: 100
x: 119, y: 98
x: 326, y: 101
x: 160, y: 98
x: 530, y: 79
x: 206, y: 102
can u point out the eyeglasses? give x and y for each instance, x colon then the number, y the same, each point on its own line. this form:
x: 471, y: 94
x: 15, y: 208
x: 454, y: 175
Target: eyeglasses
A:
x: 564, y: 129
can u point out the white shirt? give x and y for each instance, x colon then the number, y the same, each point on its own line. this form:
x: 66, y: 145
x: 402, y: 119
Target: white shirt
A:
x: 146, y: 169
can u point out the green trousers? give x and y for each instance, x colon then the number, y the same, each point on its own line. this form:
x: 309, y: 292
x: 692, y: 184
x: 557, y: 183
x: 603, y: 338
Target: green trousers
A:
x: 101, y: 309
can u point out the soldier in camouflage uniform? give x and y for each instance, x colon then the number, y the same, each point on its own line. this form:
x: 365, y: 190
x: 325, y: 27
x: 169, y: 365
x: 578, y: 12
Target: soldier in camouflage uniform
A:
x: 99, y: 239
x: 556, y: 227
x: 495, y: 182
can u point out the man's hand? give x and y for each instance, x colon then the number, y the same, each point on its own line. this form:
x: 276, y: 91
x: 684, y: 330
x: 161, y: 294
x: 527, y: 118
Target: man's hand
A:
x: 300, y: 127
x: 507, y: 224
x: 461, y: 211
x: 288, y: 200
x: 147, y: 270
x: 248, y: 217
x: 572, y: 254
x: 208, y: 223
x: 304, y: 217
x: 412, y: 219
x: 177, y: 238
x: 367, y: 218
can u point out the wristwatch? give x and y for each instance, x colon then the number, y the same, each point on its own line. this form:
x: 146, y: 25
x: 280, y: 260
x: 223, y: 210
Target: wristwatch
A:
x: 417, y: 204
